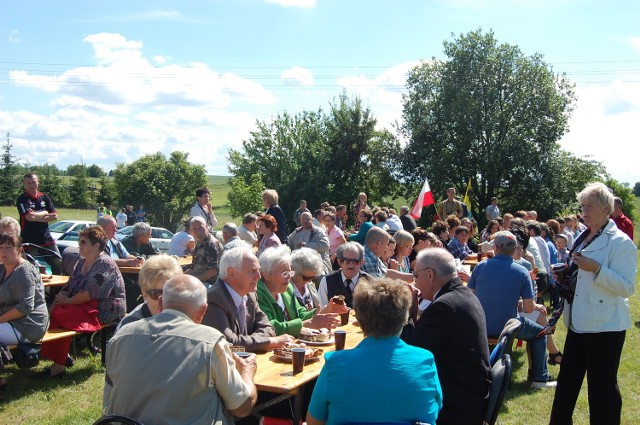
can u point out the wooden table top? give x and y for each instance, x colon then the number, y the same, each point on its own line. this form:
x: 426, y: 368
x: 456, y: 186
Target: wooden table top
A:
x: 276, y: 376
x: 55, y: 280
x: 182, y: 261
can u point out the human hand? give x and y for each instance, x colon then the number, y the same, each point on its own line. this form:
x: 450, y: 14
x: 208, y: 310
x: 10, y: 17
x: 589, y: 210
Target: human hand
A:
x: 247, y: 364
x: 279, y: 341
x: 322, y: 320
x: 585, y: 263
x: 539, y: 307
x: 62, y: 299
x: 393, y: 264
x: 334, y: 308
x: 464, y: 276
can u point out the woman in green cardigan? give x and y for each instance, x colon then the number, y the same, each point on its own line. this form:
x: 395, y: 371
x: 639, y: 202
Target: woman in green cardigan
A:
x: 277, y: 298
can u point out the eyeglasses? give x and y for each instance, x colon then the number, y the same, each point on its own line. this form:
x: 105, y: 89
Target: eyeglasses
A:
x: 351, y: 260
x: 288, y: 274
x: 306, y: 278
x: 415, y: 273
x: 154, y: 294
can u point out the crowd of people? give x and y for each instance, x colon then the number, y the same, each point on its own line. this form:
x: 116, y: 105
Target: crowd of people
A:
x: 426, y: 318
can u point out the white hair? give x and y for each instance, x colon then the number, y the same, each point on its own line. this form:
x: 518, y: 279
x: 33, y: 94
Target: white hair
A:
x: 271, y: 257
x: 233, y: 258
x: 184, y: 292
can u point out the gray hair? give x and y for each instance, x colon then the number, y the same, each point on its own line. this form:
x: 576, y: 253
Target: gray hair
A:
x: 11, y: 223
x: 249, y: 218
x: 270, y: 195
x: 158, y: 267
x: 184, y: 292
x: 199, y: 219
x: 274, y: 256
x: 439, y: 259
x: 598, y: 192
x: 306, y: 260
x: 350, y: 246
x: 232, y: 259
x: 140, y: 229
x: 230, y: 228
x: 104, y: 219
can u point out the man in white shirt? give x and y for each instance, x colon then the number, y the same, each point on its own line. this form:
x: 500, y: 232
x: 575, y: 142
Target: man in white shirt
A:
x: 343, y: 282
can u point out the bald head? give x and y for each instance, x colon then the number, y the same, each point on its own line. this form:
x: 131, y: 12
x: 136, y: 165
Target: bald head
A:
x: 187, y: 294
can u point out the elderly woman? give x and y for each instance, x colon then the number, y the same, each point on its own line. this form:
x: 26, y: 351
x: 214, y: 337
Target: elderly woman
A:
x: 138, y: 242
x: 9, y: 225
x: 404, y: 246
x: 23, y: 311
x: 306, y: 264
x: 600, y: 277
x: 267, y: 227
x: 270, y: 202
x: 277, y: 297
x: 155, y: 272
x: 405, y: 385
x: 94, y: 296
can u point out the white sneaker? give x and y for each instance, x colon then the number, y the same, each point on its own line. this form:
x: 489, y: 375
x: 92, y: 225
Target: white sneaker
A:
x: 540, y: 385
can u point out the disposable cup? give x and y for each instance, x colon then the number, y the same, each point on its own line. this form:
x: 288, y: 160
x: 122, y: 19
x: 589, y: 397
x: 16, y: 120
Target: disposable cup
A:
x: 340, y: 338
x: 297, y: 355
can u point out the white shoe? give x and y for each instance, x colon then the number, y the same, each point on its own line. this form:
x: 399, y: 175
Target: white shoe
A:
x: 540, y: 385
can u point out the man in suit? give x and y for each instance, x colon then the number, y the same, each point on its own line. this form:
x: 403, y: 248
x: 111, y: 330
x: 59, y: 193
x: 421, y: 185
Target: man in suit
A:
x: 233, y: 308
x: 343, y: 282
x: 453, y: 328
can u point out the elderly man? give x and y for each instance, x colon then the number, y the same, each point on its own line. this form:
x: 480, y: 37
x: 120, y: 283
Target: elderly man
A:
x: 408, y: 222
x: 500, y: 284
x: 206, y: 254
x: 622, y: 221
x: 311, y: 236
x: 247, y: 230
x: 36, y: 211
x: 212, y: 385
x: 230, y: 237
x: 375, y: 244
x: 233, y: 308
x: 114, y: 248
x: 458, y: 245
x: 450, y: 205
x: 139, y: 243
x: 350, y: 256
x: 202, y: 208
x: 453, y: 328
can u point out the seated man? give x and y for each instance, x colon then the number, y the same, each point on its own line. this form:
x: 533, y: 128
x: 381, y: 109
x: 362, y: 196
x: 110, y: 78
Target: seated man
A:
x: 453, y: 328
x: 233, y: 308
x: 247, y: 230
x: 393, y: 221
x: 138, y: 242
x: 212, y: 385
x: 230, y: 236
x: 375, y: 245
x: 458, y: 245
x: 206, y: 254
x: 499, y: 284
x: 343, y: 282
x: 408, y: 222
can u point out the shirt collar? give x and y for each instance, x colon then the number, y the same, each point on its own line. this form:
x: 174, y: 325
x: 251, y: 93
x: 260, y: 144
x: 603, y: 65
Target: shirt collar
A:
x: 237, y: 298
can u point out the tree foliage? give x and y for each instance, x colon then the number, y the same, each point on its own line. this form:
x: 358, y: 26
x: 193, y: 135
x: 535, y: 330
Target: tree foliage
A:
x: 10, y: 186
x: 107, y: 193
x: 76, y: 169
x: 95, y: 171
x: 622, y: 191
x: 53, y: 185
x: 244, y: 196
x: 636, y: 189
x: 317, y: 156
x: 165, y: 186
x: 80, y: 195
x: 494, y: 115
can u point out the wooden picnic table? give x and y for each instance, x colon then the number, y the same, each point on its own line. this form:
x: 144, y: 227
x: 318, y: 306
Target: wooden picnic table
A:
x: 276, y: 376
x: 54, y: 280
x: 182, y: 261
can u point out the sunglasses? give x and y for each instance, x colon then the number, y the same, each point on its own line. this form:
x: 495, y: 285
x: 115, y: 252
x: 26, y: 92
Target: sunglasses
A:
x: 307, y: 278
x: 353, y: 261
x: 154, y: 294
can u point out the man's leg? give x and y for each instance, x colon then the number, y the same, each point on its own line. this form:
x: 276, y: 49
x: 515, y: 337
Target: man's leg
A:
x: 529, y: 332
x: 572, y: 370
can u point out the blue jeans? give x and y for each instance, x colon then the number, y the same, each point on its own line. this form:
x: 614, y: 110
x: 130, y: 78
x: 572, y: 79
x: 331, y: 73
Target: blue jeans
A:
x: 529, y: 332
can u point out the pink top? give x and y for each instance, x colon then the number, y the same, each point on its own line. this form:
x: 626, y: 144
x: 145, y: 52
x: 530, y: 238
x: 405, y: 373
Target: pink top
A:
x: 335, y: 235
x: 268, y: 242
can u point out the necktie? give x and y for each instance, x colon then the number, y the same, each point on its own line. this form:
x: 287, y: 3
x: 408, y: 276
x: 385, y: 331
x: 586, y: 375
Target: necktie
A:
x: 349, y: 295
x: 242, y: 317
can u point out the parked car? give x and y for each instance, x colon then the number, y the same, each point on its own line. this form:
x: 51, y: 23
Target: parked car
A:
x: 58, y: 228
x: 66, y: 240
x: 160, y: 238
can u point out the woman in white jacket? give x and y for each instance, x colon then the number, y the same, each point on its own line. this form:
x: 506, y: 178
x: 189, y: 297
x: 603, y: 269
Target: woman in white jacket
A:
x: 600, y: 277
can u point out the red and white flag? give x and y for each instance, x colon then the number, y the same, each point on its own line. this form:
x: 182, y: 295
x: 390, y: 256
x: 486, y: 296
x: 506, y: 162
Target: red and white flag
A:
x: 425, y: 198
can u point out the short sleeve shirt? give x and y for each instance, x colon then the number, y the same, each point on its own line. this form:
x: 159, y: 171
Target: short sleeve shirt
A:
x: 34, y: 231
x: 206, y: 255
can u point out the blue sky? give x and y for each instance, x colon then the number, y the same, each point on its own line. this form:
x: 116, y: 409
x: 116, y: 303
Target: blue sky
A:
x: 109, y: 81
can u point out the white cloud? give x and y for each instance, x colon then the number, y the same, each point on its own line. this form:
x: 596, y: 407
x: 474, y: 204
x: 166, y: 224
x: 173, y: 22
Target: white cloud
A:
x: 635, y: 43
x: 14, y: 36
x: 297, y: 76
x: 161, y: 60
x: 293, y: 3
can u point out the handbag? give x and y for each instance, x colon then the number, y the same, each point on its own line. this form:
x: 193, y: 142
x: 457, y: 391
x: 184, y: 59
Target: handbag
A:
x: 28, y: 354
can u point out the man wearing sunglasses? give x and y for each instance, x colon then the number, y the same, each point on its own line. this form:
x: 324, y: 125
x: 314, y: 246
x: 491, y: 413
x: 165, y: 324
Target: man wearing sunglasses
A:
x: 343, y: 282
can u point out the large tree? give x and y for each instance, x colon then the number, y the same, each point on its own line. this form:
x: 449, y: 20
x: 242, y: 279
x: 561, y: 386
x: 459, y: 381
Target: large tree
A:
x: 491, y: 114
x: 10, y: 184
x: 318, y: 157
x: 165, y: 186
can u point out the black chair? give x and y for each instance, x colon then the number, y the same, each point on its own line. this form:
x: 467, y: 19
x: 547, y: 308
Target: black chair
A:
x: 116, y: 420
x: 500, y: 379
x: 510, y: 329
x: 70, y: 257
x: 498, y: 350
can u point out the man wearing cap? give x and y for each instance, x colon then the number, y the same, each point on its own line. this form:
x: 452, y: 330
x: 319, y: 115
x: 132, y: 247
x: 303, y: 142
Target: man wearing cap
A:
x: 501, y: 286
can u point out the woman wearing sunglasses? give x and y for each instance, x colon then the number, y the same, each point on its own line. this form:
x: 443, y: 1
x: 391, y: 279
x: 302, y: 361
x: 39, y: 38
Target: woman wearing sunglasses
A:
x: 155, y: 272
x: 277, y: 298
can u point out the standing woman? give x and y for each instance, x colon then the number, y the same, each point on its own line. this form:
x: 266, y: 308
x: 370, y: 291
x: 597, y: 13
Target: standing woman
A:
x: 94, y: 296
x: 336, y: 237
x: 267, y: 227
x: 23, y: 311
x: 270, y: 202
x: 361, y: 204
x: 600, y: 277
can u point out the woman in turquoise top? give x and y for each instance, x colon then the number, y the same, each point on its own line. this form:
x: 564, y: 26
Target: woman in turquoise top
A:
x: 382, y: 379
x: 278, y: 301
x: 364, y: 218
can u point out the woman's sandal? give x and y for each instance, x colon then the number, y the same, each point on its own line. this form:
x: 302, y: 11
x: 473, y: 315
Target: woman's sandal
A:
x: 555, y: 358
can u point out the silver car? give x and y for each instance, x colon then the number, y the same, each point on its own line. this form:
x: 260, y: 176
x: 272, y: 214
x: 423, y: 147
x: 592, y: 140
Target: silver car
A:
x: 160, y: 237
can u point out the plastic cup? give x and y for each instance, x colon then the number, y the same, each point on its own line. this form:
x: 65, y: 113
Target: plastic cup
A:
x: 559, y: 270
x: 340, y: 338
x: 344, y: 318
x: 238, y: 349
x: 297, y: 355
x: 480, y: 254
x: 243, y: 354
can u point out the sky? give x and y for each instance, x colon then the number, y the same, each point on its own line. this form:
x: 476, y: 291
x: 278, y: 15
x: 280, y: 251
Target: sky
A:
x: 105, y: 82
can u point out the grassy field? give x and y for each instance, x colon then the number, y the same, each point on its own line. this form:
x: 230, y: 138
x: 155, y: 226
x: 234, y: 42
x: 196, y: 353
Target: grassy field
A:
x: 77, y: 398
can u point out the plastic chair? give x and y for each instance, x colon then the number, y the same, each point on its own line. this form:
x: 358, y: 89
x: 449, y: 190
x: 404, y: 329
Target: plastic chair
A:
x: 70, y: 257
x: 500, y: 379
x: 116, y: 420
x: 498, y: 350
